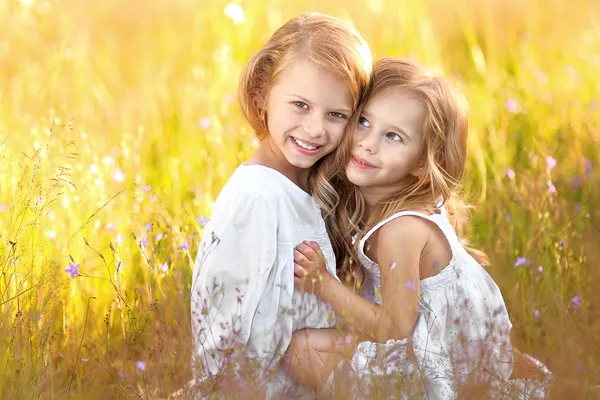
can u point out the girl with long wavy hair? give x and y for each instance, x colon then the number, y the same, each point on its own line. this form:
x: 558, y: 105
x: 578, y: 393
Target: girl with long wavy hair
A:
x: 427, y: 311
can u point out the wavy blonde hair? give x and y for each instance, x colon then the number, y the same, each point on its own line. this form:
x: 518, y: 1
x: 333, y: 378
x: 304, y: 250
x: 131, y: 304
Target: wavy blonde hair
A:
x: 444, y: 148
x: 326, y: 41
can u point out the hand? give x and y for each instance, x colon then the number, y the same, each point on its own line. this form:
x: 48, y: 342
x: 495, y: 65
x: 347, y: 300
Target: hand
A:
x: 310, y: 269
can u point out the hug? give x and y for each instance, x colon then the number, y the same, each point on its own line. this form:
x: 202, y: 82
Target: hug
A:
x: 333, y: 263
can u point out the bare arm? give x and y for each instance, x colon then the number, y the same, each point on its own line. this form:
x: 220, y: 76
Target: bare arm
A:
x: 402, y: 240
x: 314, y: 353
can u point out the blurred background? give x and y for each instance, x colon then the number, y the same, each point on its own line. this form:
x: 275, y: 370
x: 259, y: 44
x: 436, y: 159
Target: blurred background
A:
x: 119, y: 125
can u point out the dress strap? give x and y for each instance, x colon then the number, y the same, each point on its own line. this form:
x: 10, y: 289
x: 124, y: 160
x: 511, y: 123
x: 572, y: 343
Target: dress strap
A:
x: 441, y: 220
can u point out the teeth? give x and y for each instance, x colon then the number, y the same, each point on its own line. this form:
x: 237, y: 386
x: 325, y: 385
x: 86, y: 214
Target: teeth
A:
x: 360, y: 162
x: 304, y: 145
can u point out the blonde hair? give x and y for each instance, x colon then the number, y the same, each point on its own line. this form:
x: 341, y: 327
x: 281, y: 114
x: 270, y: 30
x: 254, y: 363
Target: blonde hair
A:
x: 444, y: 148
x: 324, y: 40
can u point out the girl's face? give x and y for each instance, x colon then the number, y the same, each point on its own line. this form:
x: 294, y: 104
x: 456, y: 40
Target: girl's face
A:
x: 307, y: 112
x: 386, y: 149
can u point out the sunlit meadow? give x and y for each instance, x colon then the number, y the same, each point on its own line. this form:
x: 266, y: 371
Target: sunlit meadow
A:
x: 119, y: 125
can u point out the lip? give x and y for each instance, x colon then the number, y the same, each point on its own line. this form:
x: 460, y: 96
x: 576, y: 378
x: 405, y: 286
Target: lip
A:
x: 304, y: 151
x: 361, y: 163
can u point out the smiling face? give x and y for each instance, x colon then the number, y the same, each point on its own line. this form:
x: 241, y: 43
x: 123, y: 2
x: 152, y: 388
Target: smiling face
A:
x: 307, y: 111
x: 387, y: 147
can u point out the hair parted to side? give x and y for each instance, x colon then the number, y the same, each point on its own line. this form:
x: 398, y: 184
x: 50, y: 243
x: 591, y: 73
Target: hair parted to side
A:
x: 326, y: 41
x: 444, y: 150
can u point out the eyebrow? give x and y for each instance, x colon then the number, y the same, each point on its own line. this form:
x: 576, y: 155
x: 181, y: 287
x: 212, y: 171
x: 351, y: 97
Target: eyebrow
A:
x: 348, y: 110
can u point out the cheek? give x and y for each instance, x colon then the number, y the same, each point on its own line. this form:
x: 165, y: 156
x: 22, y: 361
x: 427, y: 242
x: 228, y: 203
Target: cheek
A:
x: 395, y: 161
x: 279, y: 117
x: 336, y: 133
x: 401, y: 162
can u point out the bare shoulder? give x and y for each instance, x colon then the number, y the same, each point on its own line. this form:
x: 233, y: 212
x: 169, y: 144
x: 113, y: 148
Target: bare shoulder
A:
x: 405, y: 229
x: 403, y: 238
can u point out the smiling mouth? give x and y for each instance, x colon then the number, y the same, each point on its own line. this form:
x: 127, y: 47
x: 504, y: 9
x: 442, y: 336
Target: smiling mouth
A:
x: 306, y: 145
x: 363, y: 164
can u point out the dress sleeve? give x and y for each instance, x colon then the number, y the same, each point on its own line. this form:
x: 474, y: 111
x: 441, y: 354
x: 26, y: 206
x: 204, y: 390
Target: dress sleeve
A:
x: 237, y: 253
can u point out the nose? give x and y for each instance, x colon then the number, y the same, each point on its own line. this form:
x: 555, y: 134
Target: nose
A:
x: 368, y: 142
x: 315, y: 126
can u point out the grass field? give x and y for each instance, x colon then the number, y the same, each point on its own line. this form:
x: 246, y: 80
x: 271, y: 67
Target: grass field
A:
x: 119, y: 125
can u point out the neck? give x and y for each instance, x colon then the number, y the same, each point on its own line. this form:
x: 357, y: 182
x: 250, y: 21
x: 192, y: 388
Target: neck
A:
x: 371, y: 200
x: 376, y: 195
x: 268, y: 155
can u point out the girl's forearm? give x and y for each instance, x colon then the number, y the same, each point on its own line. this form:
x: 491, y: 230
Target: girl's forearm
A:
x: 366, y: 317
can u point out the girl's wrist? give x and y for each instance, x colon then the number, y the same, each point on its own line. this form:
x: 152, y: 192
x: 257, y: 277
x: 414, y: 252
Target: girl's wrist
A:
x: 327, y: 285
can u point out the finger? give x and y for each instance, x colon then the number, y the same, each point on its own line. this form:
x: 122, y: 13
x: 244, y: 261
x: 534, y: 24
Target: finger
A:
x: 303, y: 247
x: 301, y: 259
x: 307, y: 251
x: 316, y: 248
x: 313, y: 245
x: 299, y: 271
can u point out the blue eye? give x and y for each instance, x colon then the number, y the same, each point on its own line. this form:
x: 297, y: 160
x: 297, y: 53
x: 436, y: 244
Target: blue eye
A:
x: 337, y: 115
x: 394, y: 136
x: 301, y: 104
x: 364, y: 122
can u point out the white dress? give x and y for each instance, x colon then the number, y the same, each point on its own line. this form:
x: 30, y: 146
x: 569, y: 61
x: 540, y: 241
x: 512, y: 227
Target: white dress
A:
x: 462, y: 328
x: 243, y: 290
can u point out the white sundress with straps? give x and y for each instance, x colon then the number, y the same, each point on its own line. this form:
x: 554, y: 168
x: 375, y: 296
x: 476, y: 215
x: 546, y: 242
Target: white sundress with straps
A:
x: 462, y: 328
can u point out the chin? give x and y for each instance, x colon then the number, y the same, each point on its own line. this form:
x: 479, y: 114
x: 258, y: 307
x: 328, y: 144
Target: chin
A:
x: 301, y: 162
x: 356, y: 178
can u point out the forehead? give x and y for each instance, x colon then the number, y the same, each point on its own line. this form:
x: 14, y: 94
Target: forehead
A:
x: 398, y: 108
x: 306, y: 79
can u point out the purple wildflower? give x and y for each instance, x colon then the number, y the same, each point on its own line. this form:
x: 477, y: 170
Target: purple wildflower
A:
x: 551, y: 188
x: 73, y: 270
x: 511, y: 174
x: 149, y: 226
x: 144, y: 241
x: 147, y: 188
x: 536, y: 313
x: 184, y: 245
x: 411, y: 285
x: 141, y: 365
x: 576, y: 301
x: 159, y: 236
x: 512, y: 106
x: 540, y: 269
x: 164, y: 267
x: 121, y: 375
x: 202, y: 221
x: 522, y: 261
x: 551, y: 162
